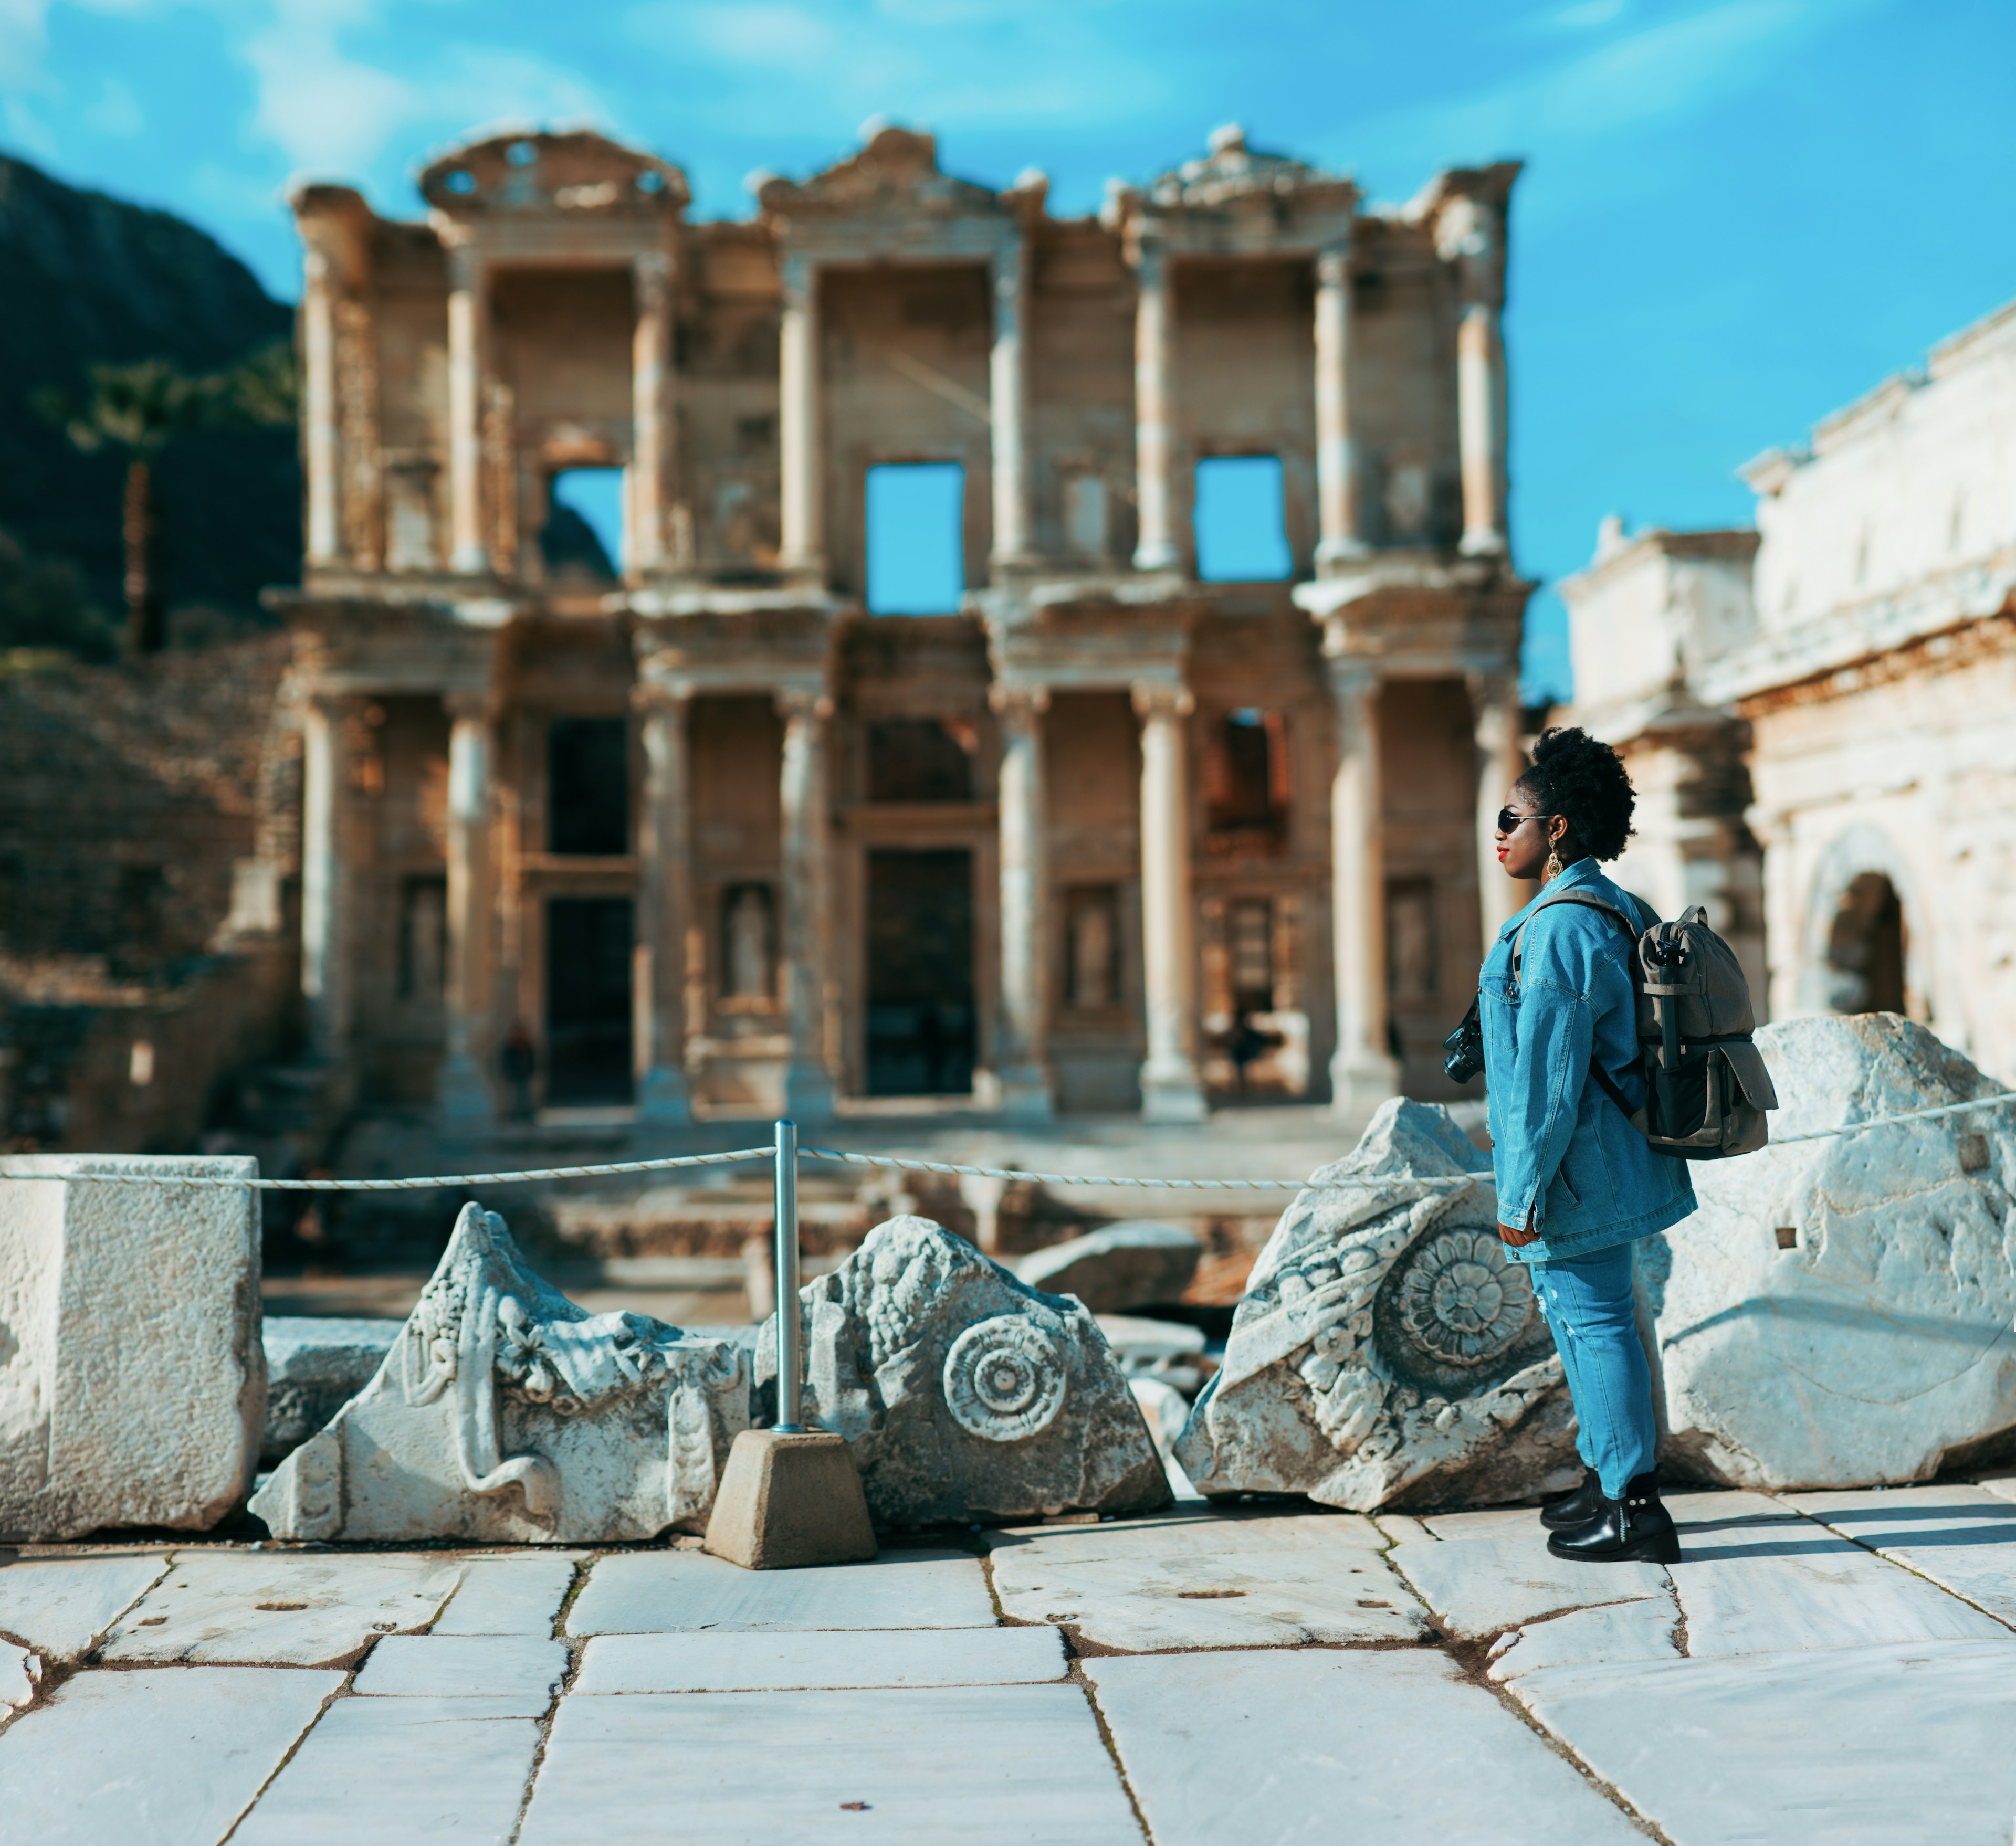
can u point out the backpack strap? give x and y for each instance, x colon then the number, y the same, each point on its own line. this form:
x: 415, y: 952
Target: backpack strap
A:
x: 1632, y: 925
x: 1633, y: 928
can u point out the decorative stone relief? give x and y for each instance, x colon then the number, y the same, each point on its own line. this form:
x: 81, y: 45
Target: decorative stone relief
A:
x: 1387, y: 1351
x: 503, y: 1412
x: 1837, y: 1312
x: 964, y: 1394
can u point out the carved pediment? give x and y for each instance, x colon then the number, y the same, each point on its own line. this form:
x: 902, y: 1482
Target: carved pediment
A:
x: 895, y: 173
x: 1231, y: 171
x: 578, y: 175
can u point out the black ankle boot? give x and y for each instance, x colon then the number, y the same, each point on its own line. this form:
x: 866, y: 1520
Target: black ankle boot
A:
x: 1576, y: 1506
x: 1636, y: 1529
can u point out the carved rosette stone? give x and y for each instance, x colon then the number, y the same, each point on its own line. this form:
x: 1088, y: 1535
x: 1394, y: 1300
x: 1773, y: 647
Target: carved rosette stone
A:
x: 1387, y: 1351
x: 964, y: 1393
x: 1004, y: 1380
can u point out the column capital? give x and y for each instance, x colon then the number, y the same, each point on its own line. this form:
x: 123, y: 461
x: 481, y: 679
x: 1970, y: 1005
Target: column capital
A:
x: 1469, y: 237
x: 1156, y: 698
x: 465, y: 706
x: 1017, y: 699
x: 648, y: 695
x: 1351, y: 675
x: 803, y: 701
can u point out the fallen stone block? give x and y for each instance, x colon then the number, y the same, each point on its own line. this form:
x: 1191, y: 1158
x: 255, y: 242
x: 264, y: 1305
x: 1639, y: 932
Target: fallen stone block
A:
x: 132, y: 1383
x: 1130, y: 1264
x: 314, y: 1367
x: 1837, y: 1312
x: 965, y: 1394
x: 504, y: 1412
x: 1387, y: 1352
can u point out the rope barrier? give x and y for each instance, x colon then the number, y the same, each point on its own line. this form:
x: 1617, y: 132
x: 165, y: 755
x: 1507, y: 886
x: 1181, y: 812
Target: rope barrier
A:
x: 616, y: 1169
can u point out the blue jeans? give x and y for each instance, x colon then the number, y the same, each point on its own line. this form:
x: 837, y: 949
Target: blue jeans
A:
x: 1587, y: 1303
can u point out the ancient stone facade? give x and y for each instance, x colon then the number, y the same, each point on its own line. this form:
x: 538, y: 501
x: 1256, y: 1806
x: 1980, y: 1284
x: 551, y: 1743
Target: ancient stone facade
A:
x: 1834, y: 709
x: 1101, y: 833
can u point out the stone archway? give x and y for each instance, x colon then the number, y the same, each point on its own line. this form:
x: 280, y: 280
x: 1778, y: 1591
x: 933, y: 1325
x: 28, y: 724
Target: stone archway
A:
x: 1865, y: 951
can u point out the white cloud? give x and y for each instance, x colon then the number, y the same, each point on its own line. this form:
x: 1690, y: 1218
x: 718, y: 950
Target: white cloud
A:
x: 24, y: 38
x: 116, y: 112
x: 28, y: 131
x: 327, y: 112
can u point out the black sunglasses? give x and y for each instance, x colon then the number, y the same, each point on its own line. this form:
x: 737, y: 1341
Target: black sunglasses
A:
x: 1511, y: 821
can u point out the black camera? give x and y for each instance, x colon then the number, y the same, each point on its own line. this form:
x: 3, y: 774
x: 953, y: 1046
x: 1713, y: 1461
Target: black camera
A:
x: 1463, y: 1048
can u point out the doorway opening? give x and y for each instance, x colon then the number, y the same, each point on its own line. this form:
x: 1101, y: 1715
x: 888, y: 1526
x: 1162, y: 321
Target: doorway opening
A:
x: 920, y: 1000
x: 1866, y: 948
x: 589, y: 943
x: 917, y: 538
x: 583, y: 538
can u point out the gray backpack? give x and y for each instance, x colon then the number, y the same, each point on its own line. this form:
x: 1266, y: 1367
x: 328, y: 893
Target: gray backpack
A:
x: 1707, y: 1089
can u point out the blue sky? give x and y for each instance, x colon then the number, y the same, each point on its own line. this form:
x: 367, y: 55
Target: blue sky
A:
x: 1737, y: 215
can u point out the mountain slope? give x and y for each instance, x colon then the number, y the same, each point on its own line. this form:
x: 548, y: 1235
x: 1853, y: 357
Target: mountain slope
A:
x: 91, y: 279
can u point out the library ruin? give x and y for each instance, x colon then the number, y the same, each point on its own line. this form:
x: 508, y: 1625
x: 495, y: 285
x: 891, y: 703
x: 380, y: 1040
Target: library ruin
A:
x: 698, y: 827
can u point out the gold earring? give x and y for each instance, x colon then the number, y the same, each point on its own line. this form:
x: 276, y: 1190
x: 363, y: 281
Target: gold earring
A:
x: 1554, y: 862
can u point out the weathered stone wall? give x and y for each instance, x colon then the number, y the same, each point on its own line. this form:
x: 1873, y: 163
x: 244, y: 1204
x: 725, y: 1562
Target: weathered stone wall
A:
x: 146, y: 849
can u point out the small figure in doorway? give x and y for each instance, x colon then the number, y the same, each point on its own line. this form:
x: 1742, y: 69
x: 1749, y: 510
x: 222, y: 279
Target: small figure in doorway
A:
x: 1246, y: 1045
x: 520, y: 1059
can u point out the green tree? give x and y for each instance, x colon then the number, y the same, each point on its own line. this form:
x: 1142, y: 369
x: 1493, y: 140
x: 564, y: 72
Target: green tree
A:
x: 138, y: 410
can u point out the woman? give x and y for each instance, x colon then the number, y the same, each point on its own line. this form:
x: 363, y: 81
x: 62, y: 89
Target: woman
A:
x: 1578, y: 1186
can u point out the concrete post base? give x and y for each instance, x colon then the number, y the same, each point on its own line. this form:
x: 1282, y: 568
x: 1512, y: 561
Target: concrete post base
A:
x: 786, y: 1501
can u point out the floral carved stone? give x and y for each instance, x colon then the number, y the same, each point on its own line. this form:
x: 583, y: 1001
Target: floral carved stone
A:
x: 1004, y: 1380
x: 503, y: 1412
x: 964, y: 1393
x: 1387, y: 1351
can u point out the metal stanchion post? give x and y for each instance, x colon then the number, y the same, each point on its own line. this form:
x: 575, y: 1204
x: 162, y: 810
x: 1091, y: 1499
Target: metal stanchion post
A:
x: 790, y: 1362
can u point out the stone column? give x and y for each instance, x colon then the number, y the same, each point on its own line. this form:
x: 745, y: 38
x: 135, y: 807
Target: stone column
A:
x: 1008, y: 404
x: 1495, y: 715
x: 802, y: 499
x: 468, y: 375
x: 321, y: 446
x: 463, y: 1091
x: 1363, y: 1072
x: 1020, y: 1040
x: 664, y: 906
x: 653, y: 486
x: 808, y: 1090
x: 325, y: 959
x: 1155, y: 547
x: 1339, y: 538
x: 1471, y: 238
x: 1170, y: 1091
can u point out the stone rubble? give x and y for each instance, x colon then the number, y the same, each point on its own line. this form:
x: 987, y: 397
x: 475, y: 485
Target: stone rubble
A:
x: 965, y: 1394
x: 1134, y: 1264
x: 1387, y: 1351
x: 132, y: 1383
x: 504, y: 1412
x: 1837, y: 1312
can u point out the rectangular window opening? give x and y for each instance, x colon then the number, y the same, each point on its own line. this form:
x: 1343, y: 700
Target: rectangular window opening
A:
x: 588, y: 786
x: 1246, y: 783
x: 582, y: 540
x: 917, y: 538
x: 588, y: 944
x: 1239, y: 522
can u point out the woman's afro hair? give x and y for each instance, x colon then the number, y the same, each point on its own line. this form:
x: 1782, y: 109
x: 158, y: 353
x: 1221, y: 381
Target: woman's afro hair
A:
x: 1583, y: 781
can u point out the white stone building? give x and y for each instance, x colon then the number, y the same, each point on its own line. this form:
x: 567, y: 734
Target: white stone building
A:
x: 1856, y: 655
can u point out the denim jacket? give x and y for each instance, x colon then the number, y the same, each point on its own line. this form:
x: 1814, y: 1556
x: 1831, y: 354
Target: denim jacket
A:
x: 1568, y: 1164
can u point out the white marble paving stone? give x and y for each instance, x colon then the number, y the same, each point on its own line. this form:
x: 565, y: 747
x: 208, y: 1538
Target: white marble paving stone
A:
x: 1194, y: 1534
x: 59, y: 1606
x: 1482, y: 1585
x: 522, y: 1667
x: 1267, y: 1599
x: 1623, y: 1631
x: 20, y: 1673
x: 1963, y: 1537
x: 509, y: 1595
x: 820, y: 1661
x: 1768, y: 1587
x: 1372, y: 1747
x: 667, y: 1592
x: 393, y: 1772
x: 319, y: 1608
x: 1852, y: 1747
x: 997, y: 1765
x: 152, y: 1758
x: 2001, y: 1484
